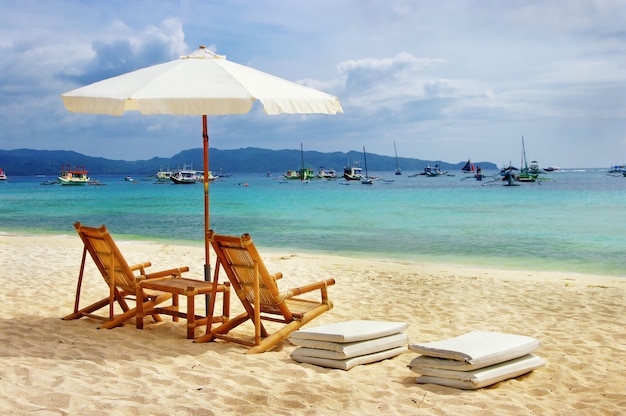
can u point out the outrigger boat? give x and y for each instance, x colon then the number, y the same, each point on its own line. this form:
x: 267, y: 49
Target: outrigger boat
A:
x: 164, y: 175
x: 352, y: 173
x: 326, y: 173
x: 184, y: 177
x: 77, y: 176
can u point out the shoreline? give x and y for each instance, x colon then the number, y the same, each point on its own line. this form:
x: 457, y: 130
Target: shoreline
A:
x: 354, y: 256
x: 69, y: 367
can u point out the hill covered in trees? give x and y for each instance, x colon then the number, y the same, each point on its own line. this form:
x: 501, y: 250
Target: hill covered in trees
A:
x: 23, y: 162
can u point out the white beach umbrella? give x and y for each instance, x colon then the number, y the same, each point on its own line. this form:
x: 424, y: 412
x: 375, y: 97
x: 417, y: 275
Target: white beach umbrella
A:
x: 202, y: 83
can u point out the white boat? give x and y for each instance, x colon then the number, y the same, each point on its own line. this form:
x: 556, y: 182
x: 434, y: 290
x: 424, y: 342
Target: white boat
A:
x: 184, y: 177
x: 200, y: 176
x: 433, y: 171
x: 164, y: 175
x: 76, y: 176
x: 353, y: 173
x: 3, y: 175
x: 326, y: 173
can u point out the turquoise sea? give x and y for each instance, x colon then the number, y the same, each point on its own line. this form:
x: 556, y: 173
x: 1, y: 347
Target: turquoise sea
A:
x: 576, y: 222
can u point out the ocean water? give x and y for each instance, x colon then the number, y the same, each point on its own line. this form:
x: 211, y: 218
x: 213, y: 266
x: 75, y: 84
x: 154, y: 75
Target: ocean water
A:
x: 575, y: 222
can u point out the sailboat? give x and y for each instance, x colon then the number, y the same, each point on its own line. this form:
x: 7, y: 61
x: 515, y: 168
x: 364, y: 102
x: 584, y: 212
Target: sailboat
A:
x: 366, y: 179
x: 527, y: 174
x: 398, y: 170
x: 469, y: 167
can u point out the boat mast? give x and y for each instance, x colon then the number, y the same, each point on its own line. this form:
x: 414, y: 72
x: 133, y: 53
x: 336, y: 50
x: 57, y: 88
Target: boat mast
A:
x: 367, y: 176
x: 302, y: 171
x: 524, y: 163
x: 398, y: 170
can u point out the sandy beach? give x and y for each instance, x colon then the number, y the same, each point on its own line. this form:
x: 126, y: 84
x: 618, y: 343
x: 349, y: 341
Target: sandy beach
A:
x: 53, y: 367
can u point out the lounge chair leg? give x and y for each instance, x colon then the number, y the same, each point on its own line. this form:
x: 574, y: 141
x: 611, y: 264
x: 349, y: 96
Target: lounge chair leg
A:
x: 222, y: 329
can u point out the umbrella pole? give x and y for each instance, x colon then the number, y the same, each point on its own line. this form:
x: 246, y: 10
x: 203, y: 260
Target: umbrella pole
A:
x: 207, y: 226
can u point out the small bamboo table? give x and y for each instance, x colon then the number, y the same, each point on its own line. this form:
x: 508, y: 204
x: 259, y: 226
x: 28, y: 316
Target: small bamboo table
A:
x: 190, y: 288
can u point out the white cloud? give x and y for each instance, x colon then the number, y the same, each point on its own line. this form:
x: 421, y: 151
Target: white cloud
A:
x: 444, y: 78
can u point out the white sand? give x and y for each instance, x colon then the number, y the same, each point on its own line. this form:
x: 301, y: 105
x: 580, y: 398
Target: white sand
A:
x: 53, y: 367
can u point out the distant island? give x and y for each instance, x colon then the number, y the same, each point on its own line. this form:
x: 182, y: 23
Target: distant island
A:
x: 26, y: 162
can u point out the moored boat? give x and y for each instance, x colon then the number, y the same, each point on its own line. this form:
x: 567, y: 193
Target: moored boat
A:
x: 3, y: 175
x: 352, y: 173
x: 76, y: 176
x: 326, y: 173
x: 528, y: 173
x: 164, y: 175
x: 469, y: 167
x: 184, y: 177
x: 433, y: 171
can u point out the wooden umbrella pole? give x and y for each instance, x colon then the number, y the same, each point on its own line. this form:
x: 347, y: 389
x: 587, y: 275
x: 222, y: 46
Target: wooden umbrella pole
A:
x: 207, y: 224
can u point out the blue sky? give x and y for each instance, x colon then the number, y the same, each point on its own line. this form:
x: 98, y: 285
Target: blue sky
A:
x: 446, y: 80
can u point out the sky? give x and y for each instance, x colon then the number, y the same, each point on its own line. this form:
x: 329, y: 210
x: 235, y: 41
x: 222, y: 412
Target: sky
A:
x: 443, y: 80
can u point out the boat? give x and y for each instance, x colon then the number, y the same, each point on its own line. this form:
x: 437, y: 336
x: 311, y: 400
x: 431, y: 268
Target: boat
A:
x: 184, y: 177
x: 292, y: 174
x: 326, y: 173
x: 3, y: 175
x: 479, y: 174
x: 129, y: 179
x: 509, y: 178
x: 76, y: 176
x: 352, y: 173
x: 527, y: 173
x: 433, y: 171
x: 164, y: 175
x: 366, y: 180
x: 304, y: 173
x: 552, y: 169
x: 398, y: 170
x: 469, y: 167
x: 200, y: 176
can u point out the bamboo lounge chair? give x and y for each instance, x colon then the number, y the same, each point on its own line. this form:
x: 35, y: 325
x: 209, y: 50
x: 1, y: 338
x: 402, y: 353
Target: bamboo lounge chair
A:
x: 259, y: 294
x: 147, y: 290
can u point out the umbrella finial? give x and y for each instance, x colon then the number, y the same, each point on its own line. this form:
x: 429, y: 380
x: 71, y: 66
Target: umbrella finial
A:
x: 203, y: 53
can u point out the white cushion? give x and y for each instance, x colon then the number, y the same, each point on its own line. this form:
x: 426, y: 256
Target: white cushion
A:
x: 482, y: 377
x: 350, y: 331
x: 338, y: 351
x: 474, y: 350
x: 347, y: 363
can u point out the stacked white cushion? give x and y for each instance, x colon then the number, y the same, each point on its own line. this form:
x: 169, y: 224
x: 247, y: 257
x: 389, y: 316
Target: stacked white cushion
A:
x: 346, y: 344
x: 475, y: 360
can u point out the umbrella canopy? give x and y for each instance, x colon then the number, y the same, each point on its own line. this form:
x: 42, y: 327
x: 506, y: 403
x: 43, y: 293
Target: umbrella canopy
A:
x: 201, y: 83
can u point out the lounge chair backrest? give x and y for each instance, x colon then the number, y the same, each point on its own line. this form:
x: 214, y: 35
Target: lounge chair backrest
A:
x: 107, y: 257
x: 242, y: 262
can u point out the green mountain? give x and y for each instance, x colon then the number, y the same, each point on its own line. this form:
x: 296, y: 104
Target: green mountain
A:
x: 24, y: 162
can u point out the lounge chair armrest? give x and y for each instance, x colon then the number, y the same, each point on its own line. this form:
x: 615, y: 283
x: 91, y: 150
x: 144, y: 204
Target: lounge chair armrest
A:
x: 277, y: 275
x: 311, y: 287
x: 170, y: 272
x: 140, y: 267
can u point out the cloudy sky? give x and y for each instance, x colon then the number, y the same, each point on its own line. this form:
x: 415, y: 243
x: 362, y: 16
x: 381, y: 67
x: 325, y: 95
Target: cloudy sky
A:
x: 445, y: 79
